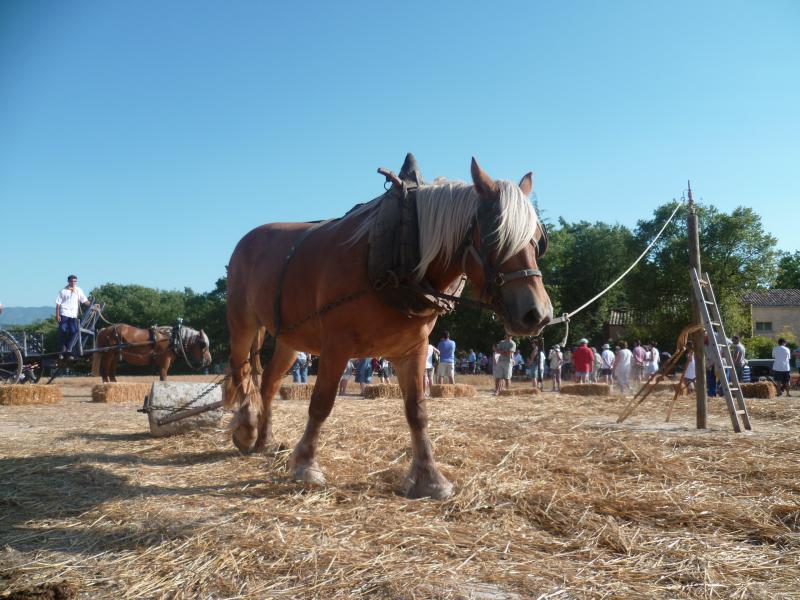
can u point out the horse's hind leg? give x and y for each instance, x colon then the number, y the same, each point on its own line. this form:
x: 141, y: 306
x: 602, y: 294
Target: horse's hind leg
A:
x: 280, y: 362
x: 303, y: 461
x: 424, y: 479
x: 111, y: 366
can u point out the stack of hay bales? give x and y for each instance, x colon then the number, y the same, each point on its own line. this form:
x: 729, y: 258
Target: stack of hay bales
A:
x: 587, y: 389
x: 761, y: 389
x: 296, y: 391
x: 528, y: 391
x: 452, y: 390
x: 29, y: 394
x: 382, y: 390
x: 120, y: 392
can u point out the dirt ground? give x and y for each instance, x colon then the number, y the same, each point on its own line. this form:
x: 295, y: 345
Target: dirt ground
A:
x: 553, y: 499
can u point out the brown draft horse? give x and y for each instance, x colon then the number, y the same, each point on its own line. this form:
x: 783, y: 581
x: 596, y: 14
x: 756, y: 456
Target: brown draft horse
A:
x: 497, y: 254
x: 162, y: 352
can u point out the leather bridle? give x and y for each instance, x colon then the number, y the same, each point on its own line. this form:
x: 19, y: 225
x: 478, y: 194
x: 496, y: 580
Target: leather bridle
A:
x: 493, y: 280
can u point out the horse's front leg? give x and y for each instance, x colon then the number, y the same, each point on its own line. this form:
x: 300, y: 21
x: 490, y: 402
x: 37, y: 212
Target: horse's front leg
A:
x: 163, y: 368
x: 281, y: 360
x: 303, y: 461
x: 424, y: 480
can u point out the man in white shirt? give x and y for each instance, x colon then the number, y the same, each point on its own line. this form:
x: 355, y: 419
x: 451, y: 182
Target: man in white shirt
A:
x: 68, y: 302
x: 607, y: 363
x: 780, y: 366
x: 622, y: 367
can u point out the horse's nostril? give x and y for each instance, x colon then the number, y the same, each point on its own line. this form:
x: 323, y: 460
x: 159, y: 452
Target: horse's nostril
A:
x: 531, y: 318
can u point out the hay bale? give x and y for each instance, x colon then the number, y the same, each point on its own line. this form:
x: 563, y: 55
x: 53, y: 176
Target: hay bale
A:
x: 120, y: 392
x: 168, y: 398
x: 382, y: 390
x: 761, y: 389
x: 586, y: 389
x: 527, y: 391
x: 296, y: 391
x: 18, y: 394
x: 453, y: 390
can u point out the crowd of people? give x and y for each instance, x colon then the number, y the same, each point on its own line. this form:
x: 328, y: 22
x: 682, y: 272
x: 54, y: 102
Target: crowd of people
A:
x: 443, y: 363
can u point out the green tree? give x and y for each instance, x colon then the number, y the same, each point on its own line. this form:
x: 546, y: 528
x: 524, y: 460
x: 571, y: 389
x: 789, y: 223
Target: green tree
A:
x: 735, y: 250
x: 583, y: 259
x: 788, y: 277
x: 208, y: 311
x: 142, y: 306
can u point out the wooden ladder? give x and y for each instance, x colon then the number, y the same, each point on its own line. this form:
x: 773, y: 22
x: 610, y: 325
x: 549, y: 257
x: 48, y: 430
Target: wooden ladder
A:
x: 720, y: 352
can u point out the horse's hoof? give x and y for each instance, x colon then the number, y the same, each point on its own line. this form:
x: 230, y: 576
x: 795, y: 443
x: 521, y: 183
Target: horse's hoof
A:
x: 270, y: 448
x: 245, y: 447
x: 434, y: 486
x: 309, y: 474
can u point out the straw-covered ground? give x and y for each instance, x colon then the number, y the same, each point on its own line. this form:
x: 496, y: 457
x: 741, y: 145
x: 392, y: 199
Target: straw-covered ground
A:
x: 552, y: 499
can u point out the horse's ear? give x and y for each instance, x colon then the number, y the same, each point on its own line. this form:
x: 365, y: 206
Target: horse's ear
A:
x: 526, y: 183
x: 486, y: 186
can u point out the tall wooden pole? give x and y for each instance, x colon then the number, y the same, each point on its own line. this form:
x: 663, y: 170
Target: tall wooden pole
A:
x: 698, y: 337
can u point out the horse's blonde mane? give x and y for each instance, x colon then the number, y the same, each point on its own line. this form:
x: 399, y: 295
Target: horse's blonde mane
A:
x: 444, y: 212
x: 189, y: 335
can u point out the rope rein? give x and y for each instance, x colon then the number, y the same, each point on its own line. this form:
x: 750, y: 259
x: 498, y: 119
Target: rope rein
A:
x: 567, y: 315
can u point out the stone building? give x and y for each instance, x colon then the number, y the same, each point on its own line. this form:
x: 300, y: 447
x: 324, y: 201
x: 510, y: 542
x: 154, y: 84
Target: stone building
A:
x: 774, y: 313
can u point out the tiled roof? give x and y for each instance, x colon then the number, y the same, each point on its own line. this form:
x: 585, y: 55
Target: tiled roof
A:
x: 773, y: 298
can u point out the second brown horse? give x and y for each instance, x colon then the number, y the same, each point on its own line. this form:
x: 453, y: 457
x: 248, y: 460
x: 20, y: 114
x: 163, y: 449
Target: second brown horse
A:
x: 157, y: 348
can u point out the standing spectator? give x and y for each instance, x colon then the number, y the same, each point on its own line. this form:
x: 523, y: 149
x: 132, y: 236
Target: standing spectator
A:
x: 781, y: 370
x: 536, y: 363
x: 385, y: 369
x: 568, y: 362
x: 606, y: 364
x: 348, y: 372
x: 655, y: 357
x: 300, y: 368
x: 428, y: 379
x: 556, y: 360
x: 447, y: 359
x: 711, y: 374
x: 690, y: 373
x: 363, y: 373
x: 463, y: 364
x: 471, y: 358
x: 518, y: 362
x: 583, y: 358
x: 622, y: 367
x: 596, y: 366
x: 739, y: 360
x: 795, y: 352
x: 639, y: 355
x: 68, y: 301
x: 505, y: 363
x: 484, y: 362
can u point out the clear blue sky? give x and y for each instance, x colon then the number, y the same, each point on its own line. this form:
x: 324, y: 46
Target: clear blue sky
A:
x: 140, y: 140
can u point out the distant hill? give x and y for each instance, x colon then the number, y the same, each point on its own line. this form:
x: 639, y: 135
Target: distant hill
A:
x: 23, y: 315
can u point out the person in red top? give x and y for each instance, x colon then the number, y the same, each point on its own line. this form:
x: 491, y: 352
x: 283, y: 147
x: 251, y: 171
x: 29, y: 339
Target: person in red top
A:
x: 583, y: 359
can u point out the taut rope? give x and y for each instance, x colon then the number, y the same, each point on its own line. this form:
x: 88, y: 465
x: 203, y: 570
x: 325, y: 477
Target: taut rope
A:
x: 566, y: 316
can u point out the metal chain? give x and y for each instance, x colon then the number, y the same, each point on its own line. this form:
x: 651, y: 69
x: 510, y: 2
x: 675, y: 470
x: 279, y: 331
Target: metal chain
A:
x: 326, y: 308
x: 172, y: 410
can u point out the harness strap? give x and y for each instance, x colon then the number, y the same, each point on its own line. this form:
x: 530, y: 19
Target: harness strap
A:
x: 295, y: 245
